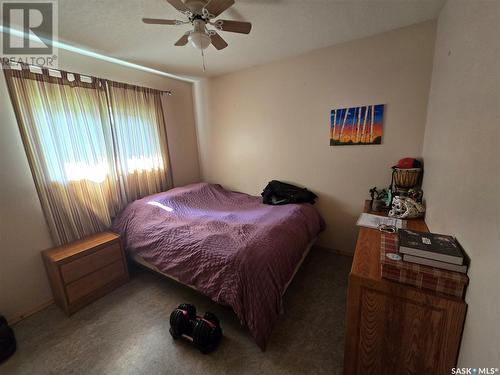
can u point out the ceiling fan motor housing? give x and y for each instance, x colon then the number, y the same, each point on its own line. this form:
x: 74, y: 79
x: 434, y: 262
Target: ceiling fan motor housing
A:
x: 195, y: 6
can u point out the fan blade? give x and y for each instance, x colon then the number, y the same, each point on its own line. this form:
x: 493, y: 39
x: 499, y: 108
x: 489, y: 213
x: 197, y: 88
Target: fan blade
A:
x: 235, y: 26
x: 218, y: 42
x: 216, y: 7
x: 183, y: 40
x: 179, y: 5
x: 156, y: 21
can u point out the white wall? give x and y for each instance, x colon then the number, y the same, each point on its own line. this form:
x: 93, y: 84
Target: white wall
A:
x: 462, y: 161
x: 272, y: 122
x: 23, y: 232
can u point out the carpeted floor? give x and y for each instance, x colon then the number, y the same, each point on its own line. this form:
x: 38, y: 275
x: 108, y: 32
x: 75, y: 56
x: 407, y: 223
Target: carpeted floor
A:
x: 126, y: 332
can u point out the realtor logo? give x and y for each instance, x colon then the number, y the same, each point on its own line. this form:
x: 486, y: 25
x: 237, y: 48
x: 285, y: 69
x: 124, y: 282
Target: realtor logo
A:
x: 29, y: 30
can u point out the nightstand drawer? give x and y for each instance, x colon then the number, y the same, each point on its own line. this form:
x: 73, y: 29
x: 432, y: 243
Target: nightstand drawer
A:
x: 90, y: 283
x: 83, y: 266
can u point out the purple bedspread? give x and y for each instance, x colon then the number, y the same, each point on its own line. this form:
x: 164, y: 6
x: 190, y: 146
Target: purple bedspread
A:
x: 230, y: 246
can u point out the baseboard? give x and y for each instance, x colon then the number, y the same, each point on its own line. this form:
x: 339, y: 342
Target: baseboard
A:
x: 336, y: 251
x: 24, y: 315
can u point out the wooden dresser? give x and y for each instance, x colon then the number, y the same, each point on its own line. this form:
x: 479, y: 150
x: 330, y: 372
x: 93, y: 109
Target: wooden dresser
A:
x: 393, y: 328
x: 82, y: 271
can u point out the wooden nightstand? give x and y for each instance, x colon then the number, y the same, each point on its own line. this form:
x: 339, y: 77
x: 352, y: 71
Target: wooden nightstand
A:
x: 82, y: 271
x: 394, y: 328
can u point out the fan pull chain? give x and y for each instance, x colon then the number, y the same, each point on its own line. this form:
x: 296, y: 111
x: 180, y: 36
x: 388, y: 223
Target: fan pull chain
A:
x: 203, y: 60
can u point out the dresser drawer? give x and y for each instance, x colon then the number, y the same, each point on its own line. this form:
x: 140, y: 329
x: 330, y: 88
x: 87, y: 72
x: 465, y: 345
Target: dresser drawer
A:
x: 83, y: 266
x: 94, y: 281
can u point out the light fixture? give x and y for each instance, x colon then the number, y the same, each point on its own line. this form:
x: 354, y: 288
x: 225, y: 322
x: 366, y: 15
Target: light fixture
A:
x: 199, y: 40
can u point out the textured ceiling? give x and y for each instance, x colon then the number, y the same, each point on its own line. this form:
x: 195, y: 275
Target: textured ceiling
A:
x: 281, y: 28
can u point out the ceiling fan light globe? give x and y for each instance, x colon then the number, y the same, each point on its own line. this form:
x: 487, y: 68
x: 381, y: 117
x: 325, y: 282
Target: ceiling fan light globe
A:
x: 199, y: 40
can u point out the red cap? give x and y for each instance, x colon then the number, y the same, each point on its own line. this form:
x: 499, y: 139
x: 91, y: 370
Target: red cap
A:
x: 407, y: 163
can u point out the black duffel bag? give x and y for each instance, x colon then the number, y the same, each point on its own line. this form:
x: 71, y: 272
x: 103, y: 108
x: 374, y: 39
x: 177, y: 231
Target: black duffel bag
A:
x: 277, y: 192
x: 7, y: 340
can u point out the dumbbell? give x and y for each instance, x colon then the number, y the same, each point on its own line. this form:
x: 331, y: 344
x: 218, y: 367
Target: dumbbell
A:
x: 182, y: 320
x: 207, y: 333
x: 204, y: 332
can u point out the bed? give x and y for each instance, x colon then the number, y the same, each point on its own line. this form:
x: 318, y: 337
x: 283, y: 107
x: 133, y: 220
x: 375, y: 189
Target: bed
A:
x: 227, y: 245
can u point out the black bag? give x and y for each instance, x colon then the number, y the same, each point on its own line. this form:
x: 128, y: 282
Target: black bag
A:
x: 277, y: 193
x: 7, y: 340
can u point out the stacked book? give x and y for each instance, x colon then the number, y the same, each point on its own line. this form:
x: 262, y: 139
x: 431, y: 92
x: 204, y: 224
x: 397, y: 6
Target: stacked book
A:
x: 426, y: 260
x: 432, y: 249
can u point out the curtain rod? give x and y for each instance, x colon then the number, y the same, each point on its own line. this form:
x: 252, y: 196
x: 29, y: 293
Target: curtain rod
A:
x: 21, y: 64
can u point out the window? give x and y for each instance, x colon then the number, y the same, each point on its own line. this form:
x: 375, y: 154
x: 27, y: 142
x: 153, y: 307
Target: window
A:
x: 93, y: 146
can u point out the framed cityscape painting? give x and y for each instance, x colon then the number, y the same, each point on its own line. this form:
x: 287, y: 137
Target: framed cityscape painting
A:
x: 357, y: 125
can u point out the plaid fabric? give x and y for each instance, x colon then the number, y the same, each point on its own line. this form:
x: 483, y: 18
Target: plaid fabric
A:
x: 424, y: 277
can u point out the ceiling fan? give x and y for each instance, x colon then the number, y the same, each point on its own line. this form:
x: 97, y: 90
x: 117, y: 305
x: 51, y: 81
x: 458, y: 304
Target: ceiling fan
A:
x: 200, y: 14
